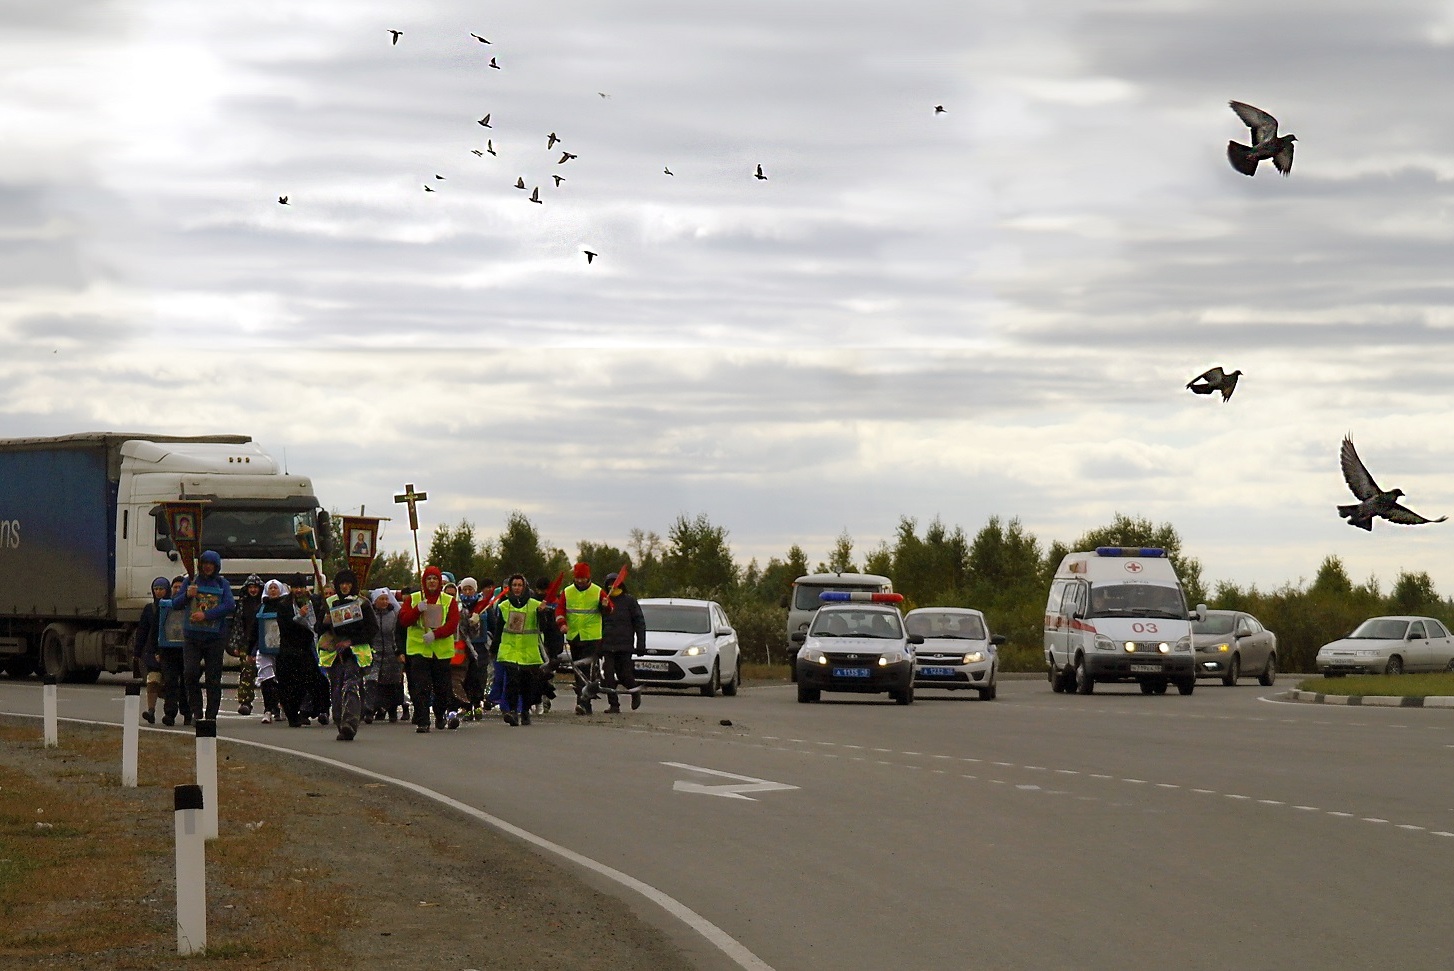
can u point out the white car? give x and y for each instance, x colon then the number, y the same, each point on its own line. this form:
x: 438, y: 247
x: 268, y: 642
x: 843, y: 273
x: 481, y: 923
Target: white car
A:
x: 859, y: 647
x: 689, y: 644
x: 1389, y: 645
x: 958, y: 651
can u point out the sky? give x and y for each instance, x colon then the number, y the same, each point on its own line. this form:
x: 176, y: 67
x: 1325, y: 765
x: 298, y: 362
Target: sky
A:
x: 987, y: 311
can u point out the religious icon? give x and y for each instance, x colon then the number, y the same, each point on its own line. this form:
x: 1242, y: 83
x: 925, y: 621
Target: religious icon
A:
x: 185, y: 529
x: 361, y: 545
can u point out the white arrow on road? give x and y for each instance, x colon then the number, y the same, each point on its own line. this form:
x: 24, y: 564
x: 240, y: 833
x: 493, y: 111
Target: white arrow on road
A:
x: 731, y: 791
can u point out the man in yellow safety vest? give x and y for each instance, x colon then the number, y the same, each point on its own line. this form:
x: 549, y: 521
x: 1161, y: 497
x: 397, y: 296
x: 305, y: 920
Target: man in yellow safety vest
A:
x: 579, y: 617
x: 430, y: 617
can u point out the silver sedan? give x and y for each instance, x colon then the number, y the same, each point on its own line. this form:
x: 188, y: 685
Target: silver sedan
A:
x: 1231, y: 644
x: 1389, y: 645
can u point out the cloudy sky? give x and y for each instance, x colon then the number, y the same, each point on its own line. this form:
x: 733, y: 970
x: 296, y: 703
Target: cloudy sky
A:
x: 988, y: 311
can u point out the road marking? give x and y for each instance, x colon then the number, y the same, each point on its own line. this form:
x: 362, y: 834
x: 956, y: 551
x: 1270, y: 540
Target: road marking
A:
x: 1307, y: 809
x: 1340, y: 815
x: 1373, y: 819
x: 746, y: 783
x: 1409, y: 826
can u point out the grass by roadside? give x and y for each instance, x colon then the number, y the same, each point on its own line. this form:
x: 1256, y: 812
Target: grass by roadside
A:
x: 1395, y: 685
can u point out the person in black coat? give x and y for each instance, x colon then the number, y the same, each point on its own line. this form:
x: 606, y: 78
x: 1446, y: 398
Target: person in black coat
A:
x: 623, y: 635
x: 297, y: 660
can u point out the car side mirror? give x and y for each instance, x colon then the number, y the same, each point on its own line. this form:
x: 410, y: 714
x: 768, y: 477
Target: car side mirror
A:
x: 1200, y: 613
x: 999, y: 639
x: 798, y: 638
x: 916, y: 638
x: 723, y: 632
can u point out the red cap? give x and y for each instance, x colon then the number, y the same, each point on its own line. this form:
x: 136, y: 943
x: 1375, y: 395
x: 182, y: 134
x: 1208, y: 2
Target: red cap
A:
x: 582, y: 571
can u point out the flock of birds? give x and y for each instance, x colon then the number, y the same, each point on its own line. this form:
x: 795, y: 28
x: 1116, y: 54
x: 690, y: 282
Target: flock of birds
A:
x: 1373, y: 502
x: 1266, y: 145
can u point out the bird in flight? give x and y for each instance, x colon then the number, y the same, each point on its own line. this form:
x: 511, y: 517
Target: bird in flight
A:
x: 486, y: 121
x: 490, y: 147
x: 520, y: 182
x: 565, y: 157
x: 493, y: 64
x: 428, y: 188
x: 397, y: 34
x: 759, y: 174
x: 282, y: 200
x: 558, y: 180
x: 439, y: 177
x: 476, y: 151
x: 603, y: 94
x: 550, y: 141
x: 938, y: 109
x: 1372, y: 501
x: 1215, y: 380
x: 667, y: 170
x: 1265, y: 142
x: 478, y: 37
x: 535, y: 195
x: 589, y: 256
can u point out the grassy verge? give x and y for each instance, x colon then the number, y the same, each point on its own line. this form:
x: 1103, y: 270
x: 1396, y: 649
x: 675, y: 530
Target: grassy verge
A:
x: 1398, y: 685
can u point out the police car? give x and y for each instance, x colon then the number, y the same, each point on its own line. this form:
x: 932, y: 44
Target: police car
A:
x: 857, y: 643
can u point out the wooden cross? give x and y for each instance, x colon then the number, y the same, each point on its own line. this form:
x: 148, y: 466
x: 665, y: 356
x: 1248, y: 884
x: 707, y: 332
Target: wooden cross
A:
x: 413, y: 498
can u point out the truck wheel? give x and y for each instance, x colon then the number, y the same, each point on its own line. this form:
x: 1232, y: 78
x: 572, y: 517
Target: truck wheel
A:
x: 1147, y: 687
x: 53, y: 654
x: 1084, y: 684
x: 1057, y: 684
x: 1186, y: 685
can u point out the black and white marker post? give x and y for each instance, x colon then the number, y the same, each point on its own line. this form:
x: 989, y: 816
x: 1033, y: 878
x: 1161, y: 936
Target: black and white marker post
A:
x: 207, y: 774
x: 130, y: 734
x: 52, y: 734
x: 191, y: 871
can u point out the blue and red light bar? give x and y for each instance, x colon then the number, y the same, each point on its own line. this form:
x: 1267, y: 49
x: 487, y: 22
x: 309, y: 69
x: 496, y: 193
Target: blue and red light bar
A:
x: 844, y: 596
x: 1151, y: 551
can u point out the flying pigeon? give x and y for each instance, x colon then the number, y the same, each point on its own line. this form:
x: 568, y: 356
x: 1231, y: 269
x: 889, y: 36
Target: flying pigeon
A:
x: 428, y: 189
x: 439, y: 177
x: 1265, y: 142
x: 1216, y: 380
x: 558, y: 180
x: 566, y: 157
x: 759, y: 174
x: 282, y: 200
x: 603, y: 94
x: 535, y: 195
x: 589, y: 256
x: 486, y: 122
x: 667, y: 170
x: 476, y: 151
x: 490, y: 146
x: 551, y: 139
x: 938, y: 109
x: 478, y: 37
x: 493, y: 64
x: 396, y: 33
x: 520, y: 182
x: 1373, y: 501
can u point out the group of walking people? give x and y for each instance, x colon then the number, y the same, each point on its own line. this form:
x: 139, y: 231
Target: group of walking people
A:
x: 463, y: 648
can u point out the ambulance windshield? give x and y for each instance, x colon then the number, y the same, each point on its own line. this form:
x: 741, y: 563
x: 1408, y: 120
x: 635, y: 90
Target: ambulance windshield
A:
x: 1136, y: 600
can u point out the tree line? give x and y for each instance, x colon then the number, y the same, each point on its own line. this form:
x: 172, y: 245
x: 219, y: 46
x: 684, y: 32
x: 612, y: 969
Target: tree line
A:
x: 1002, y: 570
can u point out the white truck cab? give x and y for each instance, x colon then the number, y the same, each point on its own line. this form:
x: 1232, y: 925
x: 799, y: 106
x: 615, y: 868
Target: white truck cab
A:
x: 1118, y: 614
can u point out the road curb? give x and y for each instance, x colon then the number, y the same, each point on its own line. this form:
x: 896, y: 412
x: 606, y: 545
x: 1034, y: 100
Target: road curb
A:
x: 1371, y: 701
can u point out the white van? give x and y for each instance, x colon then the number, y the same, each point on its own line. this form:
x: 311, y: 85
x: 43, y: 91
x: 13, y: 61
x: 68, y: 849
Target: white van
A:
x: 805, y: 601
x: 1118, y: 614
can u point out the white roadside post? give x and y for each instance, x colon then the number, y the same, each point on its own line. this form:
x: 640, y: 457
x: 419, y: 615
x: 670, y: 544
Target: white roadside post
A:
x: 130, y: 734
x: 207, y: 774
x: 191, y: 871
x: 52, y: 733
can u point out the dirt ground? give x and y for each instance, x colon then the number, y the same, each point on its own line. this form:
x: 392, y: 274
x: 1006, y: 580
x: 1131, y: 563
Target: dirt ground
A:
x: 342, y: 872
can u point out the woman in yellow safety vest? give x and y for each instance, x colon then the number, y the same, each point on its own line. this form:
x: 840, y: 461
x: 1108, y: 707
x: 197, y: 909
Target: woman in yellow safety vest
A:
x: 516, y: 627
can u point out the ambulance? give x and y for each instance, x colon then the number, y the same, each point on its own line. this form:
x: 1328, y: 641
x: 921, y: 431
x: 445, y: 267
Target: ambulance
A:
x: 1118, y: 614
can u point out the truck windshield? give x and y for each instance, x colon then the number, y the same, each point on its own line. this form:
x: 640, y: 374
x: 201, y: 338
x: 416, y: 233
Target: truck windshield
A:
x: 242, y: 532
x: 1136, y: 600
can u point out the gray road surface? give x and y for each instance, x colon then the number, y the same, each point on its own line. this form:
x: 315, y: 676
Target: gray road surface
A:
x: 1037, y: 831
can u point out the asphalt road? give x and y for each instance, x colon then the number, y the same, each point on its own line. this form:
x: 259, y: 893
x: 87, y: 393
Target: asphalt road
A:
x: 1221, y: 830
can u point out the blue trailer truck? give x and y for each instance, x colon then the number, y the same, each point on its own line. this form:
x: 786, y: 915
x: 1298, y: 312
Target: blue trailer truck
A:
x: 81, y: 536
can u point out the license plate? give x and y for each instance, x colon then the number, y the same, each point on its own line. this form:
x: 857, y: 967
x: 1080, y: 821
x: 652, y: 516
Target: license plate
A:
x: 937, y: 672
x: 652, y: 666
x: 1146, y: 668
x: 850, y: 672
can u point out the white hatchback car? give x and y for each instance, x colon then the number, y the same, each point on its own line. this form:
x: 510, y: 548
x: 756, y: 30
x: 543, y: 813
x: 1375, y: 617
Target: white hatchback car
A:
x: 689, y: 644
x: 958, y: 651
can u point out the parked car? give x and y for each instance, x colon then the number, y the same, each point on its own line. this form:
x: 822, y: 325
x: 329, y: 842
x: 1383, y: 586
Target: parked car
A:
x: 689, y: 644
x: 1389, y: 645
x: 958, y: 651
x: 1231, y: 644
x: 858, y: 647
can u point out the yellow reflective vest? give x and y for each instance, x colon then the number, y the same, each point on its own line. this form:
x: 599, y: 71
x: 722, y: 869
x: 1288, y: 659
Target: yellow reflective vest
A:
x: 414, y: 642
x: 583, y: 613
x: 520, y: 633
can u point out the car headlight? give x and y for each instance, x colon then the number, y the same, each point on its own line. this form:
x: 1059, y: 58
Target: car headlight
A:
x: 974, y: 657
x: 1130, y: 647
x: 1224, y: 648
x: 1104, y: 643
x: 1164, y: 647
x: 812, y: 655
x: 893, y: 657
x: 694, y: 650
x: 1182, y: 645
